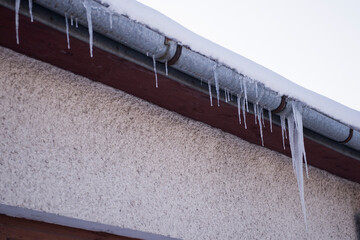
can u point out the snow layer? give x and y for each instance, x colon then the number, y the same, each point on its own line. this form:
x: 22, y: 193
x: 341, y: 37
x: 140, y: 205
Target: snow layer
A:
x: 164, y: 25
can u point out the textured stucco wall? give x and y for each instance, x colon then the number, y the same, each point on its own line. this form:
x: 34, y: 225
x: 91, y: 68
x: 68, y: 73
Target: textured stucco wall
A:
x: 77, y: 148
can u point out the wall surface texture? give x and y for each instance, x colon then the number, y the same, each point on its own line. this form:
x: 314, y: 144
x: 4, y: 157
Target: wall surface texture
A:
x: 80, y: 149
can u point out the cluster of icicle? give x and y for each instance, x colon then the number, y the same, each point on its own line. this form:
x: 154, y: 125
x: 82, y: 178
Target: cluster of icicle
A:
x: 17, y: 8
x: 88, y: 7
x: 242, y: 100
x: 292, y: 117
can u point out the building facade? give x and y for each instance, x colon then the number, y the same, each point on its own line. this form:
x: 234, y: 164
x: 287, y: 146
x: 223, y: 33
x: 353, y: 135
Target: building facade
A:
x: 76, y: 148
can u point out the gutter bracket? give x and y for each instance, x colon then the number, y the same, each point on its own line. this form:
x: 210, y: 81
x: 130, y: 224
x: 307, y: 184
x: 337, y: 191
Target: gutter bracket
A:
x: 176, y: 56
x: 282, y: 105
x: 351, y: 133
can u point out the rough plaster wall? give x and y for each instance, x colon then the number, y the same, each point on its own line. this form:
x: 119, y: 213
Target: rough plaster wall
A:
x: 77, y: 148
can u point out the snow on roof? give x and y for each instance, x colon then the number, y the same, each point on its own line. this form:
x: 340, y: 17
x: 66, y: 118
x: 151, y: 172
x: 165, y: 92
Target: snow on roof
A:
x: 166, y: 26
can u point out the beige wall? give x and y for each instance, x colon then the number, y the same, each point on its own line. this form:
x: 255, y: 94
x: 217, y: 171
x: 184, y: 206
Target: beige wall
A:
x: 77, y: 148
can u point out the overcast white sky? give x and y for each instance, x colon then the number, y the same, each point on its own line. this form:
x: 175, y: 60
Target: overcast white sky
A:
x: 313, y: 43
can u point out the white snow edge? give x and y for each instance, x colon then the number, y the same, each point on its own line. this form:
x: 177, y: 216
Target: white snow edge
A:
x: 168, y: 27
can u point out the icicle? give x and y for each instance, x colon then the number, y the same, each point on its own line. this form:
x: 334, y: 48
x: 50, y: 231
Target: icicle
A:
x: 88, y: 16
x: 296, y: 140
x: 67, y: 31
x: 76, y: 23
x: 71, y: 20
x: 156, y: 77
x: 292, y: 150
x: 30, y: 10
x: 255, y: 112
x: 297, y: 111
x: 260, y: 120
x: 245, y: 94
x: 243, y: 100
x: 239, y: 107
x: 270, y: 119
x: 110, y: 19
x: 166, y: 70
x: 17, y: 7
x: 283, y: 129
x: 239, y: 101
x: 210, y: 94
x: 256, y: 106
x: 217, y: 85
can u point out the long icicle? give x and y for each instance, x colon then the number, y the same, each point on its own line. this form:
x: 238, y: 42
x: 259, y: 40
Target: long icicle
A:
x: 17, y: 7
x: 245, y: 94
x: 297, y: 110
x: 255, y: 112
x: 296, y: 140
x: 167, y: 70
x: 260, y: 116
x: 283, y: 129
x: 243, y: 100
x: 30, y: 10
x: 239, y: 97
x: 87, y: 6
x: 210, y: 94
x: 217, y: 87
x: 259, y: 112
x: 155, y: 71
x: 239, y: 107
x: 270, y: 119
x: 67, y: 31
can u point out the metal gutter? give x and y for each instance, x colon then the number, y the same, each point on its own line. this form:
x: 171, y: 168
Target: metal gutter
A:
x: 187, y: 66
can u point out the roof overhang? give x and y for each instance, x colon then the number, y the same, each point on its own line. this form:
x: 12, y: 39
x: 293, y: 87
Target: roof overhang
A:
x: 123, y: 68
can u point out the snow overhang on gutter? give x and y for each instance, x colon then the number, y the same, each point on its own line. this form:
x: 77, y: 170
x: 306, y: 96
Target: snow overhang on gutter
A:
x: 123, y: 37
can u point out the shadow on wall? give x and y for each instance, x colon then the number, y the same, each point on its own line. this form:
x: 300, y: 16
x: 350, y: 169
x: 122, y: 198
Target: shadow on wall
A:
x: 357, y: 225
